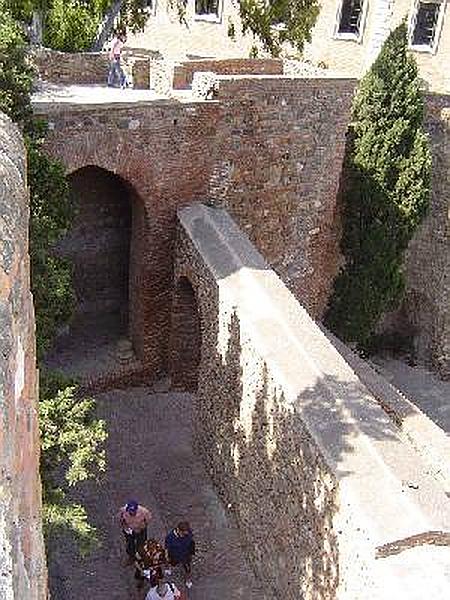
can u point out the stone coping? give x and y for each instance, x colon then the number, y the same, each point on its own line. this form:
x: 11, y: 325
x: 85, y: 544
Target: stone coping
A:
x: 333, y: 77
x: 390, y: 491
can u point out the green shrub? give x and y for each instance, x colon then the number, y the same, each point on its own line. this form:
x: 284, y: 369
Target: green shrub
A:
x: 51, y: 213
x: 386, y: 186
x: 72, y: 451
x: 70, y: 26
x: 278, y: 21
x: 16, y: 73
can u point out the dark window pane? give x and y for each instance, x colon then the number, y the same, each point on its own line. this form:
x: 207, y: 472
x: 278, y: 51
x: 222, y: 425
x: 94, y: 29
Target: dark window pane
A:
x: 351, y: 16
x: 207, y: 7
x: 426, y: 20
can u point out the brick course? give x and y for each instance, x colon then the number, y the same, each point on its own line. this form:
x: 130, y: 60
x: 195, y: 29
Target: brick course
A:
x: 184, y: 72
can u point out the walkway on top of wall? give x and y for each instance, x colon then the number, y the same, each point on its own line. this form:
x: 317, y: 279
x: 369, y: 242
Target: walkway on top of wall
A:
x: 52, y: 93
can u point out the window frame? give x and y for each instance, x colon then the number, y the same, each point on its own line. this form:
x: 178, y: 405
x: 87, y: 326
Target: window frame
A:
x: 152, y: 11
x: 352, y: 37
x: 432, y: 48
x: 210, y: 17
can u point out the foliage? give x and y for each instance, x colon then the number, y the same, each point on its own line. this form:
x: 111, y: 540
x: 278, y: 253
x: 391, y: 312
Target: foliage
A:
x: 276, y: 22
x: 385, y: 189
x: 70, y: 25
x: 72, y: 439
x: 16, y: 74
x: 50, y: 216
x: 72, y: 451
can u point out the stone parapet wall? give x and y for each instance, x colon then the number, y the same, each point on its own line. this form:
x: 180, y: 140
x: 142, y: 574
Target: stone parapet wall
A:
x: 22, y: 555
x: 90, y: 68
x: 184, y: 72
x: 427, y: 438
x: 72, y: 68
x: 322, y: 485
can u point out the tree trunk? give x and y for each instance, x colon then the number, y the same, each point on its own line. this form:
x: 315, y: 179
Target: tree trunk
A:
x: 107, y: 26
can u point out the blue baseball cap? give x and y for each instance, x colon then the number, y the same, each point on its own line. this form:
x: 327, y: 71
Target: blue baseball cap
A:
x: 131, y: 506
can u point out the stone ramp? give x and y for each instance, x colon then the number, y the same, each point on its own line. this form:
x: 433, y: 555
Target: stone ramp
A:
x: 151, y: 457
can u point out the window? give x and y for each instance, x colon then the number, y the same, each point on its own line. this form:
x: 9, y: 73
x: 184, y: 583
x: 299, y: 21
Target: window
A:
x: 150, y: 5
x: 351, y: 19
x: 207, y: 9
x: 426, y: 24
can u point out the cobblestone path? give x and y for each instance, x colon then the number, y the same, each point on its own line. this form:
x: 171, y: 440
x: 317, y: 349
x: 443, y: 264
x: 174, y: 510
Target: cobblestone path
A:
x: 150, y: 458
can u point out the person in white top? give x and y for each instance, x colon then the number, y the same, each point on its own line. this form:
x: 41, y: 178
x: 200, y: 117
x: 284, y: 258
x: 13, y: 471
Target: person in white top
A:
x: 163, y: 591
x: 116, y: 71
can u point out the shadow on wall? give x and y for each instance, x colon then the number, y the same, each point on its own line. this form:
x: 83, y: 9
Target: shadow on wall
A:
x: 294, y: 442
x: 267, y: 466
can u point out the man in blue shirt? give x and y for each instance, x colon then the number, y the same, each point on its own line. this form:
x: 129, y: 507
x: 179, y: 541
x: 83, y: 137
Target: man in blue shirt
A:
x: 180, y: 547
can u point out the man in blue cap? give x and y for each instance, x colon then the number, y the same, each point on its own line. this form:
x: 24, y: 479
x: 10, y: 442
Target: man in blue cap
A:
x: 134, y: 519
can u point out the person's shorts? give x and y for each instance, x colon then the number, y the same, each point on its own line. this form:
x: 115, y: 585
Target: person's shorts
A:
x: 173, y: 562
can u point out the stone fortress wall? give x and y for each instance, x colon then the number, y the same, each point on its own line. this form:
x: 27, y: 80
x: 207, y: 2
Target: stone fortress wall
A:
x: 426, y: 308
x: 241, y: 152
x: 324, y: 487
x: 22, y: 555
x: 282, y: 127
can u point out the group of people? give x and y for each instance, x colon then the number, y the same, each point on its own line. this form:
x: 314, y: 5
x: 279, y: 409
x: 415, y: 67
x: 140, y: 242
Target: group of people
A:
x: 152, y: 560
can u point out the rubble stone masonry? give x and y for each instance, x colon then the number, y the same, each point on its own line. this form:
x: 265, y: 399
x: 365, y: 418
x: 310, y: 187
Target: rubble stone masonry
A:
x: 22, y: 556
x: 281, y: 146
x: 322, y: 485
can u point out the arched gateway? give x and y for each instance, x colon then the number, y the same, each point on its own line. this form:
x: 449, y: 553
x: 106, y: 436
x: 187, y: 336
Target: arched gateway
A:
x: 104, y: 246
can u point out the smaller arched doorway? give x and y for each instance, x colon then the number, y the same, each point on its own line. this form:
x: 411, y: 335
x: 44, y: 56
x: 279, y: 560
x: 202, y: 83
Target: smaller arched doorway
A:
x: 185, y: 342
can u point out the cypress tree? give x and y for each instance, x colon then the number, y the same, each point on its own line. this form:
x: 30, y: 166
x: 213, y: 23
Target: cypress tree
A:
x: 385, y: 191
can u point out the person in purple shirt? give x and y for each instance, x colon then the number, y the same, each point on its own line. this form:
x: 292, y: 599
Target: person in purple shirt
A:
x: 180, y: 548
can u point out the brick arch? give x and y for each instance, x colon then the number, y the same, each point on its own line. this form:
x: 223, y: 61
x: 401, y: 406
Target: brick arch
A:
x: 185, y: 338
x: 108, y: 152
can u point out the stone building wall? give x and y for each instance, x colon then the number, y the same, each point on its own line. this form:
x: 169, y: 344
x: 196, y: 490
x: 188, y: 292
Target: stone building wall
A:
x: 352, y: 57
x: 296, y: 445
x: 22, y: 555
x: 194, y: 36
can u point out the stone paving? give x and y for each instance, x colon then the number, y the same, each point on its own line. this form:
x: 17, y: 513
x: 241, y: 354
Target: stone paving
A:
x: 423, y: 388
x: 55, y: 94
x: 151, y: 458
